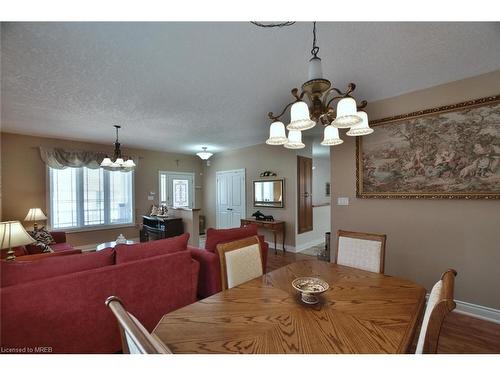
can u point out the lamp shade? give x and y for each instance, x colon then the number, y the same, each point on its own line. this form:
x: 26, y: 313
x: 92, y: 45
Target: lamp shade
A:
x: 13, y: 234
x: 299, y: 117
x: 362, y: 128
x: 106, y: 162
x: 346, y: 114
x: 129, y: 163
x: 277, y: 134
x: 331, y: 136
x: 294, y: 140
x: 119, y: 161
x: 315, y: 69
x: 35, y: 214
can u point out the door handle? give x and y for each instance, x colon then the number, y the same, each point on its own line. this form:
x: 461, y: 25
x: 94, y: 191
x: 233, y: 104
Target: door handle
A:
x: 229, y: 209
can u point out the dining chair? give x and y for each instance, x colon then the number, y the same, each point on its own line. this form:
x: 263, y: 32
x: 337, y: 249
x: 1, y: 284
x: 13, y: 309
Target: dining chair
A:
x: 135, y: 337
x: 439, y: 304
x: 240, y: 261
x: 365, y: 251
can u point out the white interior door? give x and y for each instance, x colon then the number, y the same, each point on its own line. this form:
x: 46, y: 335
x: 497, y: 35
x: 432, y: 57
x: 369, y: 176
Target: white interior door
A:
x: 231, y: 198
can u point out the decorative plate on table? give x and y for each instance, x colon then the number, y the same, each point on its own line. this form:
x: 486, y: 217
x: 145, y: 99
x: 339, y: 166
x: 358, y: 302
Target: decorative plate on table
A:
x: 310, y: 288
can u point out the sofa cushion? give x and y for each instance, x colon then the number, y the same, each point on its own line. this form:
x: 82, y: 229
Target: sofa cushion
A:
x: 130, y: 253
x: 217, y: 236
x: 18, y: 272
x: 61, y: 246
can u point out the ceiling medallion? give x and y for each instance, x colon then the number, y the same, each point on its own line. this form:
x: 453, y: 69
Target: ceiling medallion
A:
x: 314, y: 104
x: 117, y: 163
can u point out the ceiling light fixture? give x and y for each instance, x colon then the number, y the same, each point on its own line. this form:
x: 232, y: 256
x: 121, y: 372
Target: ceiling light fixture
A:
x: 117, y: 163
x: 204, y: 155
x: 320, y: 95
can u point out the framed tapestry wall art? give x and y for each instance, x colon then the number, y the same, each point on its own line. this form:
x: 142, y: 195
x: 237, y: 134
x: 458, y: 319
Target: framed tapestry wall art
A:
x: 446, y: 152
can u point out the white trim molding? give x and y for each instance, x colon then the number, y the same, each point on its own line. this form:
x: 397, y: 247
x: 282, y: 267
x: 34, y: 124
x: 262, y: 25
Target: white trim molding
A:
x: 478, y: 311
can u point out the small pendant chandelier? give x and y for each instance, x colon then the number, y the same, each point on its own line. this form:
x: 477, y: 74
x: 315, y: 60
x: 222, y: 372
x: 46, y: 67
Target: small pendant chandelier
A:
x: 117, y: 163
x: 204, y: 155
x: 320, y: 95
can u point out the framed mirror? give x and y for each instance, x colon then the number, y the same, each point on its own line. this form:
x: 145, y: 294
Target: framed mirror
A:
x: 268, y: 193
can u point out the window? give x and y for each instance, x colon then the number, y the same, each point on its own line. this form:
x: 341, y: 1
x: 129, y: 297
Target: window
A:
x: 177, y: 189
x: 83, y: 197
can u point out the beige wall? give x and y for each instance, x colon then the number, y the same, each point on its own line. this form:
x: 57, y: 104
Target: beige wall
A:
x: 24, y: 179
x: 425, y: 237
x: 256, y: 159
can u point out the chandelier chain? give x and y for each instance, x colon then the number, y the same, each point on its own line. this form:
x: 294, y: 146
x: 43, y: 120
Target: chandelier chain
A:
x: 315, y: 48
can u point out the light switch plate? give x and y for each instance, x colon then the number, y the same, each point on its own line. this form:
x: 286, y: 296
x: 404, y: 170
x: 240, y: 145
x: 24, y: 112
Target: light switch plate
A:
x: 151, y: 197
x: 342, y: 201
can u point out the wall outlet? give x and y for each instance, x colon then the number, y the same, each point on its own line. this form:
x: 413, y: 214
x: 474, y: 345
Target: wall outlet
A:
x: 342, y: 201
x: 151, y: 197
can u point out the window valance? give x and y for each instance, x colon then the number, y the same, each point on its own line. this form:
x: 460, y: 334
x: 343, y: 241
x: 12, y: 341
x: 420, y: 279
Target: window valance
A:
x: 59, y: 158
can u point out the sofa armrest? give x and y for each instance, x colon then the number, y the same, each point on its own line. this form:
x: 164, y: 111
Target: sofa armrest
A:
x: 59, y: 237
x: 209, y: 279
x: 40, y: 256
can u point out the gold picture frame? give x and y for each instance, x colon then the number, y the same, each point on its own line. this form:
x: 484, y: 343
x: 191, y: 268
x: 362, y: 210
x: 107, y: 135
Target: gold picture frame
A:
x: 448, y: 152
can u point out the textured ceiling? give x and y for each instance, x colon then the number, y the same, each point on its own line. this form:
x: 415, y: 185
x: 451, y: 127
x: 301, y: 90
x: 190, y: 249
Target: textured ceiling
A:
x: 178, y: 86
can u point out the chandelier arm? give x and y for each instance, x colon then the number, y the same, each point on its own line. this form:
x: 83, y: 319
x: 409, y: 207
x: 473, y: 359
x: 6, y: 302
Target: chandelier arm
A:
x: 341, y: 96
x: 362, y: 105
x: 328, y: 92
x: 275, y: 118
x: 298, y: 98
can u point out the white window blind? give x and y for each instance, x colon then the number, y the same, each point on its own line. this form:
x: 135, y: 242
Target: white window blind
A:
x: 82, y: 197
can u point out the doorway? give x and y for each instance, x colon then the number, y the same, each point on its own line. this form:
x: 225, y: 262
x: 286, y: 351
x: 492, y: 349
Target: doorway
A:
x: 177, y: 189
x: 231, y: 198
x: 304, y: 194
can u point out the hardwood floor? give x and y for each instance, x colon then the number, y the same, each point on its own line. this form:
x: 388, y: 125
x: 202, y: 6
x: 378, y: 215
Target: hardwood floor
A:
x: 460, y: 333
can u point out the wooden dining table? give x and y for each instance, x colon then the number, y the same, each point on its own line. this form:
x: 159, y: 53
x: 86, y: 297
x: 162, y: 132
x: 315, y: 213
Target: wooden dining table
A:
x: 362, y: 312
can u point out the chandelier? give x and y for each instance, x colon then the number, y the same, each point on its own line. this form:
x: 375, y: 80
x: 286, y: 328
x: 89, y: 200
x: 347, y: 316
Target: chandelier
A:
x: 117, y: 163
x: 314, y: 104
x: 204, y: 155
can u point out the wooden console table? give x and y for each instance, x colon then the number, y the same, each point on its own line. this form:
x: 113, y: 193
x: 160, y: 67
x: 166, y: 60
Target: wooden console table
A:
x: 276, y: 226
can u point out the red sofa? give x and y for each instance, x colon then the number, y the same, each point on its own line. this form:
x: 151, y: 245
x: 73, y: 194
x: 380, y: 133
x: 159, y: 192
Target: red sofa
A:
x: 58, y: 302
x: 209, y: 281
x: 32, y: 252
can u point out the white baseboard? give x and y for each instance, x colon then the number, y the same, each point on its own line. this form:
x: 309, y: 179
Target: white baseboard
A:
x: 92, y: 246
x: 309, y: 244
x: 478, y: 311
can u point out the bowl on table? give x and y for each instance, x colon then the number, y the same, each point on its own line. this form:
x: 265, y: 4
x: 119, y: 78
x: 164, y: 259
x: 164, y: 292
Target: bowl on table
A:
x: 310, y: 288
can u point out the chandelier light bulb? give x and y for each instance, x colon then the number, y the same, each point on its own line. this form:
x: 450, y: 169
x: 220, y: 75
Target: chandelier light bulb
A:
x: 295, y: 140
x: 362, y: 128
x: 277, y: 134
x: 299, y: 117
x: 331, y: 136
x: 346, y: 114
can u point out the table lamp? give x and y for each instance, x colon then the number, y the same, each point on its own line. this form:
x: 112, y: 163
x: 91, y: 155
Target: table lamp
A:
x: 13, y: 234
x: 35, y: 214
